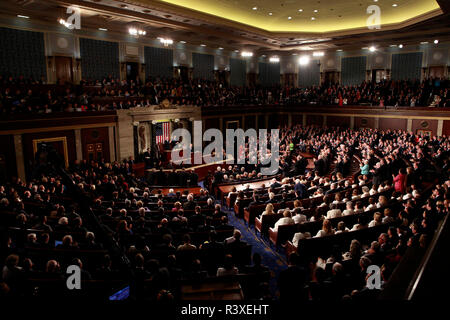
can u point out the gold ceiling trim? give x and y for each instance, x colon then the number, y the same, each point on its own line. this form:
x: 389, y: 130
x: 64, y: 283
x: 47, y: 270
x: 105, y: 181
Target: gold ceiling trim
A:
x: 174, y: 7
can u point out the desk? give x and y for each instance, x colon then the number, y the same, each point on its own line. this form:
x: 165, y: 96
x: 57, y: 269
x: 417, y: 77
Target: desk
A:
x: 165, y: 190
x: 220, y: 290
x: 201, y: 170
x: 225, y: 189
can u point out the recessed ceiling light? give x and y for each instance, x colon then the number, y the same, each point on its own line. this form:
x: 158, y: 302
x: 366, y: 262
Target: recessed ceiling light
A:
x: 392, y: 45
x: 400, y: 46
x: 303, y: 60
x: 274, y: 59
x: 136, y: 32
x: 102, y: 29
x: 313, y: 18
x: 424, y: 42
x: 236, y: 50
x: 339, y: 50
x: 24, y: 17
x: 165, y: 41
x: 300, y: 10
x: 289, y: 18
x: 395, y: 5
x: 270, y: 13
x: 316, y: 10
x: 182, y: 41
x: 255, y: 8
x: 375, y: 0
x: 220, y: 48
x: 203, y: 45
x: 436, y: 41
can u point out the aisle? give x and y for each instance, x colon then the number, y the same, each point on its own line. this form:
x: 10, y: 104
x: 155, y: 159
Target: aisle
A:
x: 275, y: 261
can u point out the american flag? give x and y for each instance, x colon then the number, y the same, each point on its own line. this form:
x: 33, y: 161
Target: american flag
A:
x: 162, y: 132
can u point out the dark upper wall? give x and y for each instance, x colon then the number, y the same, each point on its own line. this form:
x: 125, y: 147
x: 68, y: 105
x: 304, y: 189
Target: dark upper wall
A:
x: 269, y: 73
x: 99, y: 59
x: 90, y: 133
x: 410, y: 62
x: 8, y: 166
x: 158, y: 62
x: 22, y: 53
x: 416, y: 120
x: 203, y: 66
x: 407, y: 66
x: 353, y: 70
x: 237, y: 72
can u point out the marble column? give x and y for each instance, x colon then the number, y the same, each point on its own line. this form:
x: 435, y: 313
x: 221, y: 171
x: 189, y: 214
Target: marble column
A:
x: 440, y: 127
x: 78, y: 144
x: 19, y: 156
x: 112, y: 145
x: 377, y: 123
x: 409, y: 125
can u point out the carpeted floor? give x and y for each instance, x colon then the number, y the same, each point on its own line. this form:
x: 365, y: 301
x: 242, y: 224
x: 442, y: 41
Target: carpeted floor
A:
x: 274, y: 260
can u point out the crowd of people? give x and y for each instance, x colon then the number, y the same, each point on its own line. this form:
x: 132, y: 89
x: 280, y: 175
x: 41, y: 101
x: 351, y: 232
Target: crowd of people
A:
x: 343, y: 274
x: 25, y: 95
x: 151, y: 226
x: 389, y: 191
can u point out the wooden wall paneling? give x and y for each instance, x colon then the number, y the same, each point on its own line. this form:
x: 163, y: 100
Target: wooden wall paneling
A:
x: 392, y: 124
x: 336, y: 121
x: 364, y: 122
x: 297, y: 118
x: 95, y: 141
x: 261, y: 121
x: 446, y: 128
x: 232, y: 122
x: 283, y: 120
x: 28, y: 138
x: 63, y: 69
x: 250, y: 122
x: 426, y: 125
x: 314, y: 120
x: 8, y: 167
x: 212, y: 123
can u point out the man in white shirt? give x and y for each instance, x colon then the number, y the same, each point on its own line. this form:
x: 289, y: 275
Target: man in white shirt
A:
x: 287, y: 219
x: 366, y: 192
x: 299, y: 217
x: 300, y: 236
x: 349, y: 209
x: 334, y: 212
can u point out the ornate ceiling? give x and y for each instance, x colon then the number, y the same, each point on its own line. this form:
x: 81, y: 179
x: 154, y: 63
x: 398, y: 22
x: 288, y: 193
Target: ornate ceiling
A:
x: 234, y: 25
x: 306, y: 15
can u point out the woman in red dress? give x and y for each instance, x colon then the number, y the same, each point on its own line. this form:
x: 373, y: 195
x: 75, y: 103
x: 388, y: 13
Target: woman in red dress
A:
x: 399, y: 181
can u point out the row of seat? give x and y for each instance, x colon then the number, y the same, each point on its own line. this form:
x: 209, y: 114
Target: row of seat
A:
x: 286, y: 232
x: 250, y: 213
x: 265, y: 222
